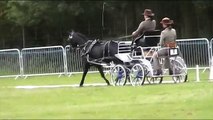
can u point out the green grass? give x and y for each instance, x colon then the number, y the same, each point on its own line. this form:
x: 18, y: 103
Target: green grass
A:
x: 188, y: 100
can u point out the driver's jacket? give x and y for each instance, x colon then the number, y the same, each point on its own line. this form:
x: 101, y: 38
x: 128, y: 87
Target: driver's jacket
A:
x: 147, y: 25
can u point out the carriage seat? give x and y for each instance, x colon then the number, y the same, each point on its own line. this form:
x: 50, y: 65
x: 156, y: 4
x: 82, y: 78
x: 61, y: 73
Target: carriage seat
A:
x: 151, y: 38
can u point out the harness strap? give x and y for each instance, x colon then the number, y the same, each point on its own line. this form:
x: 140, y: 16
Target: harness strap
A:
x: 90, y: 47
x: 87, y: 48
x: 106, y: 47
x: 95, y: 61
x: 86, y: 51
x: 109, y: 48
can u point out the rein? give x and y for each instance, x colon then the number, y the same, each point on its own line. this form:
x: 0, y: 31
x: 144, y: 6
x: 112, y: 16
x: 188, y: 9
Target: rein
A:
x: 82, y: 45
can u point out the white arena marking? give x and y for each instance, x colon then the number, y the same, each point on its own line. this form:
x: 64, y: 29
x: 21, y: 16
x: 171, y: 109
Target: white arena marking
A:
x: 59, y: 86
x: 74, y: 85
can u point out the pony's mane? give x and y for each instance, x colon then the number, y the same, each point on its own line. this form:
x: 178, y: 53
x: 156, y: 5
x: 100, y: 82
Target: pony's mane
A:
x: 82, y: 36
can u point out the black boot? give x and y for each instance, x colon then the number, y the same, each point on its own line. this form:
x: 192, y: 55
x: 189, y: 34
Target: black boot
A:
x: 158, y: 72
x: 170, y: 72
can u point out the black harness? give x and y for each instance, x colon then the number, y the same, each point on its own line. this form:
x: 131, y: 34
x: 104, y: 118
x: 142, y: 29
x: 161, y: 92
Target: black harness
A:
x: 87, y: 47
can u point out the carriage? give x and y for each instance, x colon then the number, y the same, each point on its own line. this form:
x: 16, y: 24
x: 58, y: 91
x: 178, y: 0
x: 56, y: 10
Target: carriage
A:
x: 128, y: 65
x: 137, y: 68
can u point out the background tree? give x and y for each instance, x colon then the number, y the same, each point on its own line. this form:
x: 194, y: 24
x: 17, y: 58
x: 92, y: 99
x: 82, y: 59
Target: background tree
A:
x: 25, y: 14
x: 43, y: 23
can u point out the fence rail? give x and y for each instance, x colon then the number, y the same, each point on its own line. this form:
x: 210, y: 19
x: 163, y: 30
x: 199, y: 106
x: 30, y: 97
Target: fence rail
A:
x: 53, y: 60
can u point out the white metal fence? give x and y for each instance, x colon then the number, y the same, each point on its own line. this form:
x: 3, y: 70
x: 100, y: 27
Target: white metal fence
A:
x: 44, y: 61
x: 211, y: 47
x: 195, y: 51
x: 10, y: 63
x: 59, y: 60
x: 74, y: 61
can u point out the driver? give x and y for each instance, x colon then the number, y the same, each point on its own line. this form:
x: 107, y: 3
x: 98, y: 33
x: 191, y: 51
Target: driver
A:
x: 148, y: 24
x: 167, y: 40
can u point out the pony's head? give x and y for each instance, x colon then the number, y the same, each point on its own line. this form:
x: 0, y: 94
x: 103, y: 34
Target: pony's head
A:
x: 76, y: 39
x: 71, y: 39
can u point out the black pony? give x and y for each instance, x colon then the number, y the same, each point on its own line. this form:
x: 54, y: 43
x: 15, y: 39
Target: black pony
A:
x: 94, y: 53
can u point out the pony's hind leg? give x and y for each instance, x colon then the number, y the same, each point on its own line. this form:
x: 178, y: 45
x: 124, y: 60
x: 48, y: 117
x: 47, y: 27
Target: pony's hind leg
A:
x: 100, y: 69
x: 86, y: 68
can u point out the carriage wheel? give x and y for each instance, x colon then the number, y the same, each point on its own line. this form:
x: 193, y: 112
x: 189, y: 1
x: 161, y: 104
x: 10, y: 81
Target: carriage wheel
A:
x: 147, y: 76
x: 180, y: 70
x: 137, y: 76
x: 180, y: 78
x: 118, y: 75
x: 154, y: 80
x: 148, y: 71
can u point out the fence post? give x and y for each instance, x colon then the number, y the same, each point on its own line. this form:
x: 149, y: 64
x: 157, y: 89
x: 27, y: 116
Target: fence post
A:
x: 21, y: 64
x: 211, y: 71
x: 197, y: 74
x: 65, y: 61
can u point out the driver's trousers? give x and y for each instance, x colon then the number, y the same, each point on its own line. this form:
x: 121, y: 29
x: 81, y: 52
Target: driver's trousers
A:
x: 162, y: 53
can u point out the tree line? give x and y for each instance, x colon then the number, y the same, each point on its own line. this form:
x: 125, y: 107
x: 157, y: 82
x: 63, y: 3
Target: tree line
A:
x: 41, y: 23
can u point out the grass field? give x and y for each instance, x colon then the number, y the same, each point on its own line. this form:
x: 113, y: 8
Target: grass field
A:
x: 186, y: 100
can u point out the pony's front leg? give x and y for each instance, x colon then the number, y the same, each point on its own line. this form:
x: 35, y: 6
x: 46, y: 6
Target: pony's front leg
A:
x: 100, y: 69
x: 86, y: 68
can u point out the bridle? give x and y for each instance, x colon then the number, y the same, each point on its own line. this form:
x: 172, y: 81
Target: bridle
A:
x: 78, y: 46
